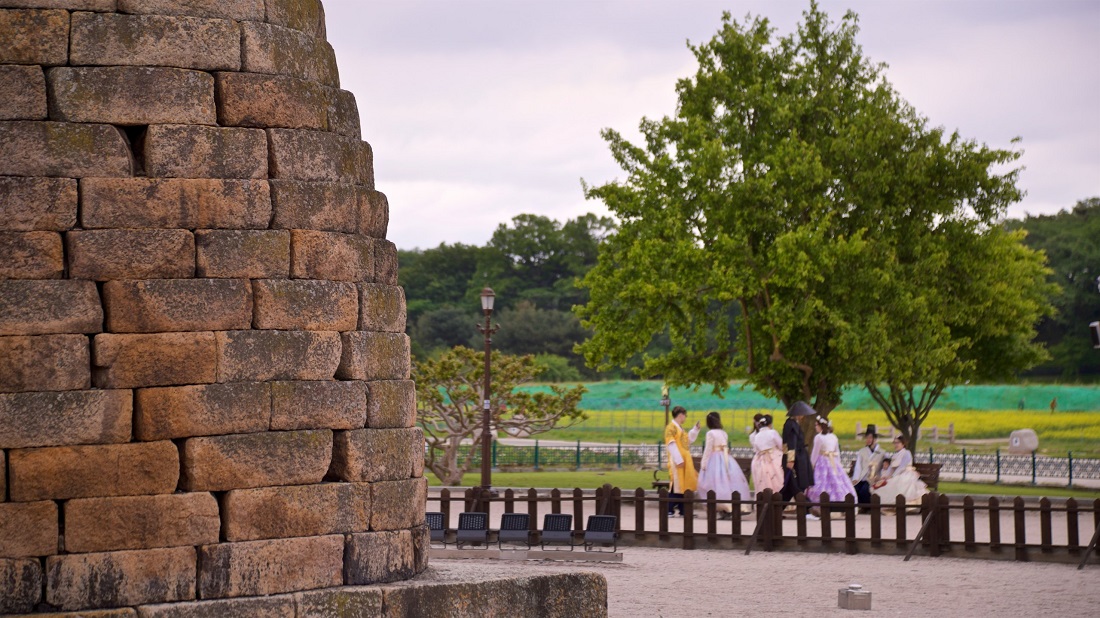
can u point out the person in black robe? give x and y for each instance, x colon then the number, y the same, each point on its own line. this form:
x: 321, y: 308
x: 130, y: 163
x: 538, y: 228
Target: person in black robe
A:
x: 799, y: 473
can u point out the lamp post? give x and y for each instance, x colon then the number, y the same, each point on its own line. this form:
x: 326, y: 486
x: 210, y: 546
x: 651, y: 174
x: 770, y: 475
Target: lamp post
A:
x: 487, y: 297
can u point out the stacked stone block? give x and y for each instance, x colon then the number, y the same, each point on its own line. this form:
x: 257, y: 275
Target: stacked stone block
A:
x: 204, y: 376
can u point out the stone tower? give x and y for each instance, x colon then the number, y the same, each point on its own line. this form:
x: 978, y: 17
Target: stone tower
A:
x: 204, y: 376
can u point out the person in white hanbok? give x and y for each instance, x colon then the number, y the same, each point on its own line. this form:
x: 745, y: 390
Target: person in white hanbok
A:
x: 720, y: 472
x: 767, y: 460
x: 901, y: 478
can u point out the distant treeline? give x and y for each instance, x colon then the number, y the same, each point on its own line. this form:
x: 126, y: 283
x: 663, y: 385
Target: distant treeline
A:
x: 533, y: 264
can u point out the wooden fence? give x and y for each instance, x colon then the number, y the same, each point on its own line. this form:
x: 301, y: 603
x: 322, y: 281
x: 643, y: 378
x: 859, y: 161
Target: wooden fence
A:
x: 940, y: 526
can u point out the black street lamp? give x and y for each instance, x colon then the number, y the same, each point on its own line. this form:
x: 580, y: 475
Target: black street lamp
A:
x: 487, y: 297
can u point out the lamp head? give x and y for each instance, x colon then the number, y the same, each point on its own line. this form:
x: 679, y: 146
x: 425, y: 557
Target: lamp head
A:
x: 487, y: 297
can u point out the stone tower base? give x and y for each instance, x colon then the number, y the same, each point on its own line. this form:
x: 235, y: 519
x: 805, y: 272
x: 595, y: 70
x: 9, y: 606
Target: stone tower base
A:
x: 439, y: 592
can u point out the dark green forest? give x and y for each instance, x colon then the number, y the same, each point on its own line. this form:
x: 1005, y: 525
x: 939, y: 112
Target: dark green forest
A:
x: 533, y: 264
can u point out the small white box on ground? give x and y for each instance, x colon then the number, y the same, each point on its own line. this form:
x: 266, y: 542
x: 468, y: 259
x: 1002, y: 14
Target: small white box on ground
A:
x: 854, y: 597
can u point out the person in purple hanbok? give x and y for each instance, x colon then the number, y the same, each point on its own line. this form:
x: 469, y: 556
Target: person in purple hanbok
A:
x: 829, y: 475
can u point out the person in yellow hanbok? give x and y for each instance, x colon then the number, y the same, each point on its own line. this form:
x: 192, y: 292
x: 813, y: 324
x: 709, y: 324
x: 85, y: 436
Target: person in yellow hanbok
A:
x: 681, y: 468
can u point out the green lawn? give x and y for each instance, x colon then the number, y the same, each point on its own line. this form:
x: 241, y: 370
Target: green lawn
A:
x: 978, y: 431
x: 630, y: 479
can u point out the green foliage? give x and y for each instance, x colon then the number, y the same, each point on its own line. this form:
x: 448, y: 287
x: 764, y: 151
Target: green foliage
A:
x: 1070, y: 242
x: 554, y: 368
x: 791, y: 217
x: 449, y: 404
x: 532, y: 264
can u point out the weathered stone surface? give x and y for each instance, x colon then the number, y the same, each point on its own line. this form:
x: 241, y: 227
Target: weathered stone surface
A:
x: 29, y: 529
x: 63, y: 472
x: 202, y: 410
x: 397, y: 505
x: 31, y: 255
x: 21, y: 583
x: 379, y: 557
x: 251, y: 254
x: 22, y: 93
x: 113, y: 579
x: 250, y: 10
x: 188, y: 151
x: 259, y: 356
x: 65, y: 418
x: 63, y: 149
x: 319, y: 156
x: 160, y: 359
x: 122, y: 612
x: 265, y: 459
x: 304, y: 510
x: 374, y: 356
x: 288, y: 304
x: 324, y: 206
x: 130, y: 95
x: 253, y: 568
x: 305, y: 15
x: 174, y: 203
x: 421, y: 538
x: 261, y: 100
x: 75, y: 5
x: 154, y: 40
x: 266, y: 48
x: 34, y: 36
x: 102, y: 255
x: 381, y: 308
x: 49, y: 307
x: 3, y: 477
x: 331, y: 255
x: 374, y: 213
x: 164, y: 305
x: 280, y: 606
x: 561, y: 595
x: 44, y: 363
x: 391, y: 403
x: 30, y: 204
x: 369, y: 455
x: 385, y: 262
x: 318, y: 405
x: 343, y: 113
x: 140, y: 522
x: 340, y: 602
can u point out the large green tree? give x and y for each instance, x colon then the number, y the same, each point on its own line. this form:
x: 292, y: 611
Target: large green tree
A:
x: 762, y: 225
x: 1071, y: 241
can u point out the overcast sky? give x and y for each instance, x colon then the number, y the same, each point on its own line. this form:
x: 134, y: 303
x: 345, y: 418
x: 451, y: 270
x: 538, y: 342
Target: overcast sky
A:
x: 479, y: 110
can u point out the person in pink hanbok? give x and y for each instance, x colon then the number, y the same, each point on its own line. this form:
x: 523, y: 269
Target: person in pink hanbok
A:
x: 767, y: 459
x: 829, y: 474
x: 720, y: 472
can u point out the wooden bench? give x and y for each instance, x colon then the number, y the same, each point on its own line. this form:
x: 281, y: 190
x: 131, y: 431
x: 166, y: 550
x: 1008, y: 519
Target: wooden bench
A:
x: 928, y: 472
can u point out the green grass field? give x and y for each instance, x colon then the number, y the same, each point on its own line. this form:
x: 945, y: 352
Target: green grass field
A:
x: 629, y: 479
x: 978, y: 431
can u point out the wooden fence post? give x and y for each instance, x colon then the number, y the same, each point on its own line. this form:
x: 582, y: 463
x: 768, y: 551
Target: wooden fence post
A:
x: 1021, y: 529
x: 689, y: 519
x: 1046, y: 541
x: 639, y: 513
x: 850, y: 546
x: 876, y: 520
x: 968, y: 524
x: 1073, y: 532
x: 578, y: 510
x: 994, y: 524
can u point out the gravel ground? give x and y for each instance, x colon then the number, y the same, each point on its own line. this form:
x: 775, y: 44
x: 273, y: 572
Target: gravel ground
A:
x: 669, y: 583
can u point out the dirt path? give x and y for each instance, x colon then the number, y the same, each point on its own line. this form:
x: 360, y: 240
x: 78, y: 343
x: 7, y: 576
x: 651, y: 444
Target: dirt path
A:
x: 665, y: 583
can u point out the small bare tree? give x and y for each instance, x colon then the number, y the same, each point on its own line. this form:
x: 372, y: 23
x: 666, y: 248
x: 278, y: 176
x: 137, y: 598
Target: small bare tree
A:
x: 449, y: 406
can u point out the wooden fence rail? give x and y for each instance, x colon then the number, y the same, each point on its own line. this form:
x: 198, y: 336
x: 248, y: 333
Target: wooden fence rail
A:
x: 942, y: 526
